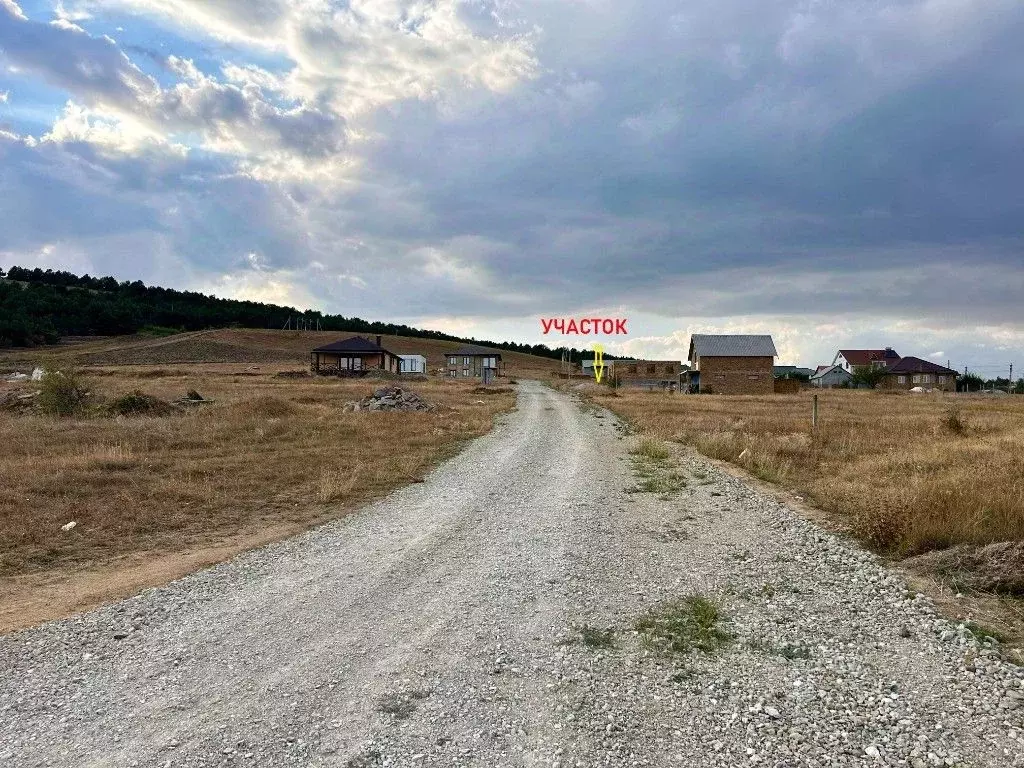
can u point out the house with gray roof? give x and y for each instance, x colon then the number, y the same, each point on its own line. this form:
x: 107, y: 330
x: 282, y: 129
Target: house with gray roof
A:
x: 831, y: 376
x: 732, y: 364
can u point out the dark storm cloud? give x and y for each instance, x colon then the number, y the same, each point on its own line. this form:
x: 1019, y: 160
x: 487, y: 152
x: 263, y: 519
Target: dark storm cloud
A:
x: 655, y: 166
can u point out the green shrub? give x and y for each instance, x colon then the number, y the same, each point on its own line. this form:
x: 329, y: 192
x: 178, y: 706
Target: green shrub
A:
x: 138, y: 403
x: 62, y: 393
x: 681, y: 626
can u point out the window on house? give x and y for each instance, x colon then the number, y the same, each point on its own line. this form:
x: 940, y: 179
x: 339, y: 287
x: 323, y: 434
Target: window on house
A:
x: 466, y: 371
x: 916, y: 378
x: 670, y: 369
x: 926, y: 378
x: 465, y: 361
x: 942, y: 379
x: 452, y: 373
x: 902, y: 379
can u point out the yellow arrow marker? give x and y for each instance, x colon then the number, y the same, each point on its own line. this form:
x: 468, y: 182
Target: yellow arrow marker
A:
x: 598, y: 362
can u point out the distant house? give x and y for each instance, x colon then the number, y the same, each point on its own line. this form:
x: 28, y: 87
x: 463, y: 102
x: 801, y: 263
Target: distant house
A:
x: 354, y: 356
x: 413, y: 364
x: 830, y: 376
x: 912, y: 372
x: 472, y: 361
x: 849, y: 359
x: 732, y: 364
x: 647, y: 374
x: 791, y: 371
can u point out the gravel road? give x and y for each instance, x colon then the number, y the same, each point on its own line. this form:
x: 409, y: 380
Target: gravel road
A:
x: 440, y: 627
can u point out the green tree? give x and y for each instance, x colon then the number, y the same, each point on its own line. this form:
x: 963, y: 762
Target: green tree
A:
x: 971, y: 382
x: 867, y: 376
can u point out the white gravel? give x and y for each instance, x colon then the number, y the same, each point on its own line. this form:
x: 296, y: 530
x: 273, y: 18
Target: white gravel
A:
x: 430, y: 629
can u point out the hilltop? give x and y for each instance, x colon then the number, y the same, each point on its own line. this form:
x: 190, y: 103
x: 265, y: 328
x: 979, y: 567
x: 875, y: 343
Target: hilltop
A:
x: 44, y: 307
x: 251, y: 346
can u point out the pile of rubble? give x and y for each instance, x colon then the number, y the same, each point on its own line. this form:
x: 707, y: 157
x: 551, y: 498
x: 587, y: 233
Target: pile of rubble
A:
x: 390, y: 399
x: 17, y: 378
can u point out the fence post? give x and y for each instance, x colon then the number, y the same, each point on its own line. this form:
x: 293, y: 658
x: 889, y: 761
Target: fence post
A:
x: 814, y: 415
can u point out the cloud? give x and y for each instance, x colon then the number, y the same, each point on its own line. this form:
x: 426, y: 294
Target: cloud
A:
x: 229, y: 118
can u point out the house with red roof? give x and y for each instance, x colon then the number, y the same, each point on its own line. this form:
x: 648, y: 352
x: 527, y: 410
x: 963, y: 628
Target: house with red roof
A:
x: 850, y: 359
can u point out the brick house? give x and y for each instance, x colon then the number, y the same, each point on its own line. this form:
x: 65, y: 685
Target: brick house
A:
x: 732, y: 364
x: 649, y: 374
x: 354, y: 356
x: 912, y: 372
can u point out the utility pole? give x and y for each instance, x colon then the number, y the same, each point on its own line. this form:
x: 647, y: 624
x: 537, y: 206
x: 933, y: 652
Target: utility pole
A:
x: 1009, y: 387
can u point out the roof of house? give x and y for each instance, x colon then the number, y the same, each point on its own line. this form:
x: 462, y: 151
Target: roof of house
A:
x: 824, y: 370
x: 784, y: 370
x: 473, y: 350
x: 353, y: 344
x: 738, y: 345
x: 917, y: 365
x: 865, y: 356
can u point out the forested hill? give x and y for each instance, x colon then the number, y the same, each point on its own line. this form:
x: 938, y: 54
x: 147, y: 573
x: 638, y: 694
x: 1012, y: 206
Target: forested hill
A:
x: 39, y: 307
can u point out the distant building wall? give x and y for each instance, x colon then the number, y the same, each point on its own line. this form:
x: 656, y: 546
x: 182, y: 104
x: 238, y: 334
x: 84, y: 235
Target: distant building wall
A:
x: 904, y: 381
x: 651, y: 374
x: 736, y: 375
x: 786, y: 386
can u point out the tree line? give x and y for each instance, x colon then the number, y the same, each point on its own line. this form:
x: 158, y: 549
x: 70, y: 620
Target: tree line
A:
x: 42, y: 306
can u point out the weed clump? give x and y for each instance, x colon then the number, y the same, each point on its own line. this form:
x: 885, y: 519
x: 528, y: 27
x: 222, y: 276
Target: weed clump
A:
x: 652, y: 463
x: 592, y: 637
x: 953, y: 422
x: 681, y: 626
x: 652, y: 450
x: 136, y: 403
x: 62, y: 393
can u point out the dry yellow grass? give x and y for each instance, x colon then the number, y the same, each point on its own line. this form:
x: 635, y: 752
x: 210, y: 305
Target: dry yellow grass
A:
x: 267, y: 452
x: 894, y: 468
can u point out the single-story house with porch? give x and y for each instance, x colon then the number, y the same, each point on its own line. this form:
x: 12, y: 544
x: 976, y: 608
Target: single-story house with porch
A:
x: 354, y: 356
x: 913, y: 372
x: 473, y: 361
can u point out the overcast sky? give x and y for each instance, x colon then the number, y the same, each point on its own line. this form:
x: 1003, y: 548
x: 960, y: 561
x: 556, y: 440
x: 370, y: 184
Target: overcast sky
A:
x: 844, y: 173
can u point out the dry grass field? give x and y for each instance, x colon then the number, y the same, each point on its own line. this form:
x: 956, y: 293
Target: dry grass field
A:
x: 908, y: 474
x: 156, y: 496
